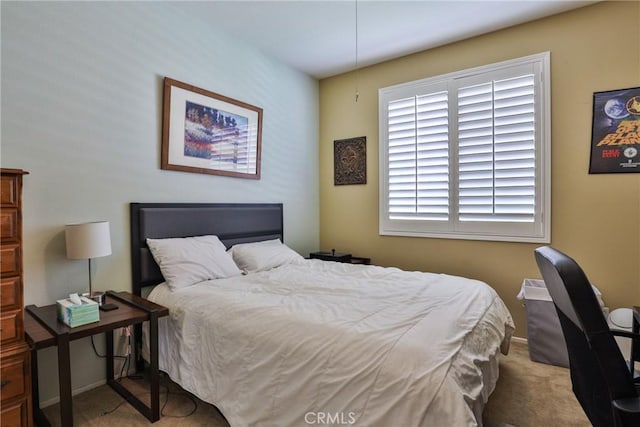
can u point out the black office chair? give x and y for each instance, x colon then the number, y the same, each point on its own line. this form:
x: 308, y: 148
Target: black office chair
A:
x: 602, y: 381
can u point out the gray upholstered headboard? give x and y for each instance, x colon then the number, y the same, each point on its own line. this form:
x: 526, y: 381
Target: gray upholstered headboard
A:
x: 231, y: 222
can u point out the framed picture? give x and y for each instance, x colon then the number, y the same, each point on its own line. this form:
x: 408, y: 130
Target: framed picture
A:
x: 350, y: 161
x: 615, y: 135
x: 204, y: 132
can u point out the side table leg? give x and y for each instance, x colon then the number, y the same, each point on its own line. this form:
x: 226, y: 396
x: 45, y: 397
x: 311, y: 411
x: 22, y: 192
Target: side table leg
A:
x: 64, y: 378
x: 109, y: 338
x: 38, y: 416
x: 153, y: 368
x: 152, y: 411
x: 35, y: 387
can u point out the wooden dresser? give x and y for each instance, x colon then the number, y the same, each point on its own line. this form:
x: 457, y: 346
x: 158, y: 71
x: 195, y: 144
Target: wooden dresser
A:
x: 15, y: 369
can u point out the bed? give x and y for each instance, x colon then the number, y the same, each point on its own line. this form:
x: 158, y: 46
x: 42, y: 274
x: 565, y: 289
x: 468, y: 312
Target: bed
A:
x: 316, y: 342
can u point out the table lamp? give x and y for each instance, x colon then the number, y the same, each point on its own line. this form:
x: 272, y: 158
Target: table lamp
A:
x: 87, y: 241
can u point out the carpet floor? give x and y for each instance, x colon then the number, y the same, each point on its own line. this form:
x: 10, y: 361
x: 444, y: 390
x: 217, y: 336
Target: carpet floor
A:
x: 527, y: 394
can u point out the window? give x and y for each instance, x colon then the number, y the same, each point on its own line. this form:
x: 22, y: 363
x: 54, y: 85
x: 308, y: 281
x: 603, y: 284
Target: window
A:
x: 467, y: 155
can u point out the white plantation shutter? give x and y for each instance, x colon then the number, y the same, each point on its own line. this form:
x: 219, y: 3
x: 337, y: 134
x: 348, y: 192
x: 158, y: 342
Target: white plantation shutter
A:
x: 466, y: 155
x: 419, y: 157
x: 432, y: 146
x: 496, y: 151
x: 402, y: 159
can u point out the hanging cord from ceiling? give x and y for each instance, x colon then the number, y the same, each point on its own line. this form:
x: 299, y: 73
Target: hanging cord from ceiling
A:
x: 356, y: 76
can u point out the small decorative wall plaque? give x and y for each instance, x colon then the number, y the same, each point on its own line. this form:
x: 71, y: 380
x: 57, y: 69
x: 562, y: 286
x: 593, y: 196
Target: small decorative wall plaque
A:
x: 350, y: 161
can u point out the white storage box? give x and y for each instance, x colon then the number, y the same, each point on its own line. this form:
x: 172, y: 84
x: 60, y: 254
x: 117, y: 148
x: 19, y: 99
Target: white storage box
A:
x: 544, y: 333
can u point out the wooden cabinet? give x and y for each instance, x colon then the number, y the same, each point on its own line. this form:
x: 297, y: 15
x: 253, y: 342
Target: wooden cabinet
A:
x: 15, y: 368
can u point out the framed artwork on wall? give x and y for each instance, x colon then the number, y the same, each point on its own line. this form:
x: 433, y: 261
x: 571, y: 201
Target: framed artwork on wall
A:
x: 205, y: 132
x: 615, y: 135
x: 350, y: 161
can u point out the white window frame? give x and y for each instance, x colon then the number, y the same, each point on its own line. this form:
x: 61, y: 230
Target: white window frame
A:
x: 537, y: 231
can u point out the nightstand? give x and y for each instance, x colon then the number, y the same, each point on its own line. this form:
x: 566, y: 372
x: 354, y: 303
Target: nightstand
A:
x: 339, y: 257
x: 43, y: 330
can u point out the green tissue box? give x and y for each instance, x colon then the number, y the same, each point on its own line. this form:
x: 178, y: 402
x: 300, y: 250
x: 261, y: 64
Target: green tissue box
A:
x: 77, y: 314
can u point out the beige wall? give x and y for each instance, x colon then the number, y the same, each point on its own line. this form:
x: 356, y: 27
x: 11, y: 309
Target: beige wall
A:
x: 595, y: 218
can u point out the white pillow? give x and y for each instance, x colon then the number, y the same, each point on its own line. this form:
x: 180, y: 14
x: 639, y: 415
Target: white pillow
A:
x: 265, y: 255
x: 190, y: 260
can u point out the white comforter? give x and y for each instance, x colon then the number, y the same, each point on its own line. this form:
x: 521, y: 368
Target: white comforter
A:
x: 323, y: 343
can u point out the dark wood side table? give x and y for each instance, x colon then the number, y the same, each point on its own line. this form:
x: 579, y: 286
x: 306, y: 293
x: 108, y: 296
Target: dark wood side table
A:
x: 43, y: 330
x: 339, y: 257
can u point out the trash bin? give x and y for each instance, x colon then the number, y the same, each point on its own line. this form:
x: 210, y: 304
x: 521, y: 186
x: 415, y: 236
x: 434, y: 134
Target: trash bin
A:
x: 544, y: 333
x: 622, y: 319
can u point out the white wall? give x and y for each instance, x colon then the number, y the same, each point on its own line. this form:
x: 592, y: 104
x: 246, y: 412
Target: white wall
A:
x: 82, y: 112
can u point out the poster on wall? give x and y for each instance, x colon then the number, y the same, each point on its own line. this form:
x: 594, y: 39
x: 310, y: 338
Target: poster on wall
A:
x: 615, y: 135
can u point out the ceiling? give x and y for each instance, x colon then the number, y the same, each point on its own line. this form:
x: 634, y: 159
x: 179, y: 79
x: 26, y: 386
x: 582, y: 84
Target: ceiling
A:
x: 319, y: 37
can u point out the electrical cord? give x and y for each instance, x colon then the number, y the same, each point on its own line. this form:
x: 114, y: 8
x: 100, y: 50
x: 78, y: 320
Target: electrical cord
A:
x: 110, y: 411
x: 124, y: 373
x: 167, y: 392
x: 185, y: 394
x: 126, y: 361
x: 103, y: 356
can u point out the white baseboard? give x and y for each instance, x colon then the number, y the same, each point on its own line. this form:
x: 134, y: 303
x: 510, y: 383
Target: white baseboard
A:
x: 79, y: 390
x: 519, y: 340
x: 121, y: 344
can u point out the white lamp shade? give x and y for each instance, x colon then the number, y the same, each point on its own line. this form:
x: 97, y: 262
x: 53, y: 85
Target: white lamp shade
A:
x: 89, y: 240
